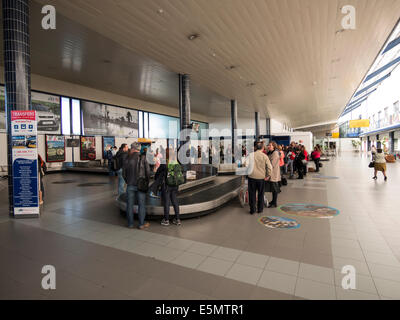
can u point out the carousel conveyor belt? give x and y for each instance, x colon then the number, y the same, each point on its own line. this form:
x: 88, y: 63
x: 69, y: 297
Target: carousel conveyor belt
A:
x: 193, y: 202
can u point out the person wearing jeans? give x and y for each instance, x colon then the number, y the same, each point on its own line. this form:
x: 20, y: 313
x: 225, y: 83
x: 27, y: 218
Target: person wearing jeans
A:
x: 121, y: 156
x: 132, y: 195
x: 132, y: 170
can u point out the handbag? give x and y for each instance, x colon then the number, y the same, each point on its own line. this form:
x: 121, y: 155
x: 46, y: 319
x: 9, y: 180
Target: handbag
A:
x: 142, y: 181
x: 371, y: 164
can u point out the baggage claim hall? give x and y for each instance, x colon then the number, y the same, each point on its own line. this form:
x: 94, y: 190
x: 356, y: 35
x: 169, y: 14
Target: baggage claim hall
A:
x: 199, y: 150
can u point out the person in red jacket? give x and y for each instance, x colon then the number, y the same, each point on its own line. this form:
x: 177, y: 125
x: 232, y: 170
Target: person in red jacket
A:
x: 316, y: 156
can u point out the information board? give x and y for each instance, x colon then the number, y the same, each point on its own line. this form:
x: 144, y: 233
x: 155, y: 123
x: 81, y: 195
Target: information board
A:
x: 25, y: 162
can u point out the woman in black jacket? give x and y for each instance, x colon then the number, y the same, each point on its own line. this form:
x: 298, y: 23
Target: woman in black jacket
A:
x: 298, y: 161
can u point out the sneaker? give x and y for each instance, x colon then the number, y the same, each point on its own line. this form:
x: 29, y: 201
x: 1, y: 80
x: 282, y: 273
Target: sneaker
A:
x: 177, y: 222
x: 385, y: 178
x: 165, y: 222
x: 144, y: 226
x: 375, y: 178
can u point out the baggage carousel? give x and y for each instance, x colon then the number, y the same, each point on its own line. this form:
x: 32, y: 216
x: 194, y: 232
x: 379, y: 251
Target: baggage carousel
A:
x: 196, y: 198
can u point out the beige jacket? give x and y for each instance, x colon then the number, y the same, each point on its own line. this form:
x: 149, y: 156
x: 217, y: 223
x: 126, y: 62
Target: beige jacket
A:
x: 259, y: 166
x: 275, y: 157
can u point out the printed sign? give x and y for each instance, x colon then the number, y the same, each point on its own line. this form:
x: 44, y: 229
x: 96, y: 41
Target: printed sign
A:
x: 25, y: 162
x: 55, y: 148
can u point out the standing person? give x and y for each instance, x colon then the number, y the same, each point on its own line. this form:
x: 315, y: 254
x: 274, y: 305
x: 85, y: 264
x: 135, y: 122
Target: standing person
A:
x: 291, y: 155
x: 380, y: 164
x: 305, y: 161
x: 281, y: 159
x: 316, y: 156
x: 171, y: 178
x: 157, y: 160
x: 199, y: 154
x: 259, y: 169
x: 299, y: 163
x: 120, y: 159
x: 109, y: 156
x: 273, y: 183
x: 135, y: 171
x: 42, y: 170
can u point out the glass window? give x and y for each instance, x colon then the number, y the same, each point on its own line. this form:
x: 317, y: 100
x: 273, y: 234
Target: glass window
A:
x: 76, y: 117
x: 163, y: 127
x: 65, y: 116
x: 146, y: 125
x: 140, y: 124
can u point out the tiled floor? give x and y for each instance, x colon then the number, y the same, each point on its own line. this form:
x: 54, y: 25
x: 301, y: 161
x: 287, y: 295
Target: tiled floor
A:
x: 225, y: 255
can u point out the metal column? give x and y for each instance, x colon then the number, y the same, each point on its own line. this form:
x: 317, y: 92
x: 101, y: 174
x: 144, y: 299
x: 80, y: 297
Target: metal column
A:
x: 234, y: 128
x: 257, y: 125
x: 184, y: 104
x: 16, y: 42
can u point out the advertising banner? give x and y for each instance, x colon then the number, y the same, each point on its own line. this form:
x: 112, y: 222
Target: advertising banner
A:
x: 55, y: 148
x: 88, y: 148
x: 25, y: 162
x: 108, y: 143
x: 105, y: 120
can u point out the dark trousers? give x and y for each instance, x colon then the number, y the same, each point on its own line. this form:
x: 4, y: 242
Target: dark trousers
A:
x: 300, y: 168
x: 256, y: 185
x: 274, y: 198
x: 169, y: 195
x: 316, y: 161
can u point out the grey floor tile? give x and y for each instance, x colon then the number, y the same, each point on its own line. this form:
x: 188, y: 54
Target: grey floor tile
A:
x: 244, y: 273
x: 283, y: 266
x: 215, y: 266
x: 277, y: 281
x: 312, y: 290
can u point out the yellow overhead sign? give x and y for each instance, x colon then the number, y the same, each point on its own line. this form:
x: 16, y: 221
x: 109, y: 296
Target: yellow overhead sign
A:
x: 364, y: 123
x: 335, y: 135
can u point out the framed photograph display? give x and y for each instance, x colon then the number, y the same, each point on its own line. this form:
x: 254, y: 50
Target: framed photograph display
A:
x: 55, y: 148
x: 88, y: 148
x: 108, y: 142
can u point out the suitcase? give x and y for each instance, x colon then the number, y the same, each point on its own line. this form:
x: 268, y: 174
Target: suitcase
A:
x: 284, y: 181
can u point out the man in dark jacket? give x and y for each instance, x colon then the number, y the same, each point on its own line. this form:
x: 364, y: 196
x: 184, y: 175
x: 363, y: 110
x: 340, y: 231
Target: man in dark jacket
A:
x: 134, y: 168
x: 121, y: 157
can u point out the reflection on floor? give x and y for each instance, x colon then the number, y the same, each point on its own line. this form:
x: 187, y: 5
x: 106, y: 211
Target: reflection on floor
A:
x: 225, y: 255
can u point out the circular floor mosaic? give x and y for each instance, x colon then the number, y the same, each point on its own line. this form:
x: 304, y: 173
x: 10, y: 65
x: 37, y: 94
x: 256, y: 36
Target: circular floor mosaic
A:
x: 279, y: 222
x: 309, y: 210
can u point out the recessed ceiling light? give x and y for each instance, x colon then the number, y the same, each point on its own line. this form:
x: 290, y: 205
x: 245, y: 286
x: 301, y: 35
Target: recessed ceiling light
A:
x: 193, y: 36
x: 264, y: 95
x: 160, y: 11
x: 213, y: 54
x: 230, y: 67
x: 250, y: 84
x: 106, y: 61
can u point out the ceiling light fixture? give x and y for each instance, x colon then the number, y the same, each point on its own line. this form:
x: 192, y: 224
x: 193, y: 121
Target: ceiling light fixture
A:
x: 193, y: 36
x: 230, y: 67
x: 160, y: 11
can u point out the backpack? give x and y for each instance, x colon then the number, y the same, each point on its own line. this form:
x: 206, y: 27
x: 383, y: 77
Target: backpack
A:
x: 174, y: 175
x: 142, y: 179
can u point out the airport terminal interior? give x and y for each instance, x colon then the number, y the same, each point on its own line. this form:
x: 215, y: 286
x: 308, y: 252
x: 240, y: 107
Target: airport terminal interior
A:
x: 271, y: 126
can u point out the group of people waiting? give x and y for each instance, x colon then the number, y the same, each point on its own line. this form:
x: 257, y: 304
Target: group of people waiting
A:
x: 133, y: 169
x: 267, y: 165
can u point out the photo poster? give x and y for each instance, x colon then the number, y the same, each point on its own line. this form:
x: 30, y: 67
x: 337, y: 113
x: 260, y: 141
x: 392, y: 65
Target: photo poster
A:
x: 108, y: 142
x: 88, y: 148
x: 105, y: 120
x: 48, y: 112
x: 2, y: 110
x: 25, y: 162
x: 55, y: 148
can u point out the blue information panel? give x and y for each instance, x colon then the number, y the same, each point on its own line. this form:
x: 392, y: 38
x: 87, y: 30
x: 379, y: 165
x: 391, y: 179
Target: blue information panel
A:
x: 25, y: 163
